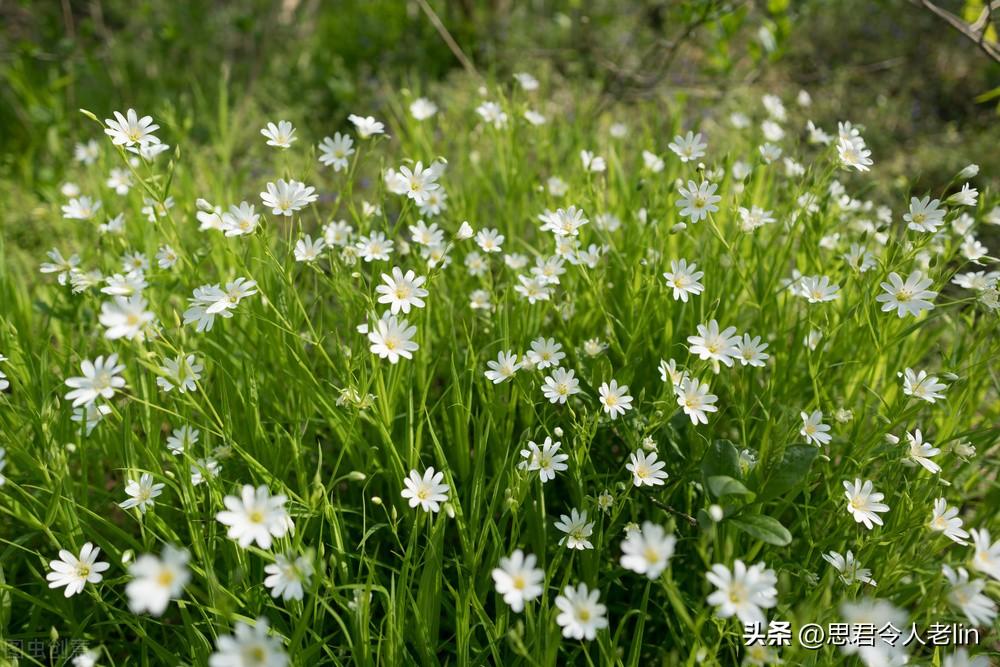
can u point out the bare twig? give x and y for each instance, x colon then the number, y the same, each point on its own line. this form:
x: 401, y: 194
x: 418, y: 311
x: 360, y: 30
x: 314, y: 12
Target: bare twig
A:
x: 975, y: 32
x: 448, y: 39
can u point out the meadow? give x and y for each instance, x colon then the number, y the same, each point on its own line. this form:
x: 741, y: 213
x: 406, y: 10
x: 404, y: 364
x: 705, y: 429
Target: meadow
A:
x: 486, y: 373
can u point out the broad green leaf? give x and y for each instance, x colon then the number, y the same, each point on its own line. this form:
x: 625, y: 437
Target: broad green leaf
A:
x: 791, y: 472
x: 763, y: 528
x: 724, y: 485
x: 721, y: 458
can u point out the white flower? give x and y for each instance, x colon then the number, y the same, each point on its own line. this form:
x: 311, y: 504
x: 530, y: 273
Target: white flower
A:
x: 712, y: 344
x: 648, y: 551
x: 670, y: 373
x: 961, y: 658
x: 986, y: 557
x: 248, y: 647
x: 754, y: 218
x: 854, y: 153
x: 427, y: 492
x: 817, y: 135
x: 129, y: 130
x: 545, y: 352
x: 87, y: 153
x: 557, y: 187
x: 336, y: 151
x: 967, y: 196
x: 750, y: 351
x: 181, y: 373
x: 560, y: 385
x: 945, y: 520
x: 548, y: 269
x: 518, y: 580
x: 817, y: 289
x: 973, y: 250
x: 547, y: 459
x: 422, y: 108
x: 148, y: 151
x: 744, y: 592
x: 337, y: 233
x: 925, y: 215
x: 772, y: 131
x: 645, y: 469
x: 694, y: 398
x: 141, y: 493
x: 156, y: 580
x: 615, y: 399
x: 813, y: 428
x: 203, y: 469
x: 287, y: 576
x: 81, y: 208
x: 125, y: 285
x: 255, y: 516
x: 281, y: 135
x: 920, y: 451
x: 967, y: 595
x: 402, y: 291
x: 491, y: 113
x: 591, y: 162
x: 770, y: 152
x: 480, y: 300
x: 922, y: 385
x: 698, y: 200
x: 182, y: 439
x: 863, y: 503
x: 86, y: 658
x: 534, y: 117
x: 425, y: 235
x: 286, y: 197
x: 308, y: 250
x: 74, y: 573
x: 126, y: 317
x: 89, y: 415
x: 65, y: 268
x: 581, y: 615
x: 503, y: 368
x: 527, y: 81
x: 392, y: 338
x: 366, y: 126
x: 652, y: 162
x: 211, y: 300
x: 684, y: 279
x: 374, y: 247
x: 885, y: 650
x: 490, y: 240
x: 120, y: 181
x: 909, y: 297
x: 100, y: 379
x: 166, y: 257
x: 577, y: 530
x: 416, y: 183
x: 240, y: 220
x: 849, y: 568
x: 154, y: 209
x: 689, y: 147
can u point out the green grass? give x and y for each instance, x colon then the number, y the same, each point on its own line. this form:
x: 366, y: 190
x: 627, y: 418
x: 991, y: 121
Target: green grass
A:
x: 275, y: 371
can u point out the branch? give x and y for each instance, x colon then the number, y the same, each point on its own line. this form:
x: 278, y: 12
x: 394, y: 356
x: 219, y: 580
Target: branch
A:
x: 448, y: 39
x: 975, y: 32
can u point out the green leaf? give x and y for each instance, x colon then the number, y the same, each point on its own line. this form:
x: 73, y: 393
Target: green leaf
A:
x: 721, y: 458
x: 764, y: 528
x: 791, y: 472
x: 724, y: 485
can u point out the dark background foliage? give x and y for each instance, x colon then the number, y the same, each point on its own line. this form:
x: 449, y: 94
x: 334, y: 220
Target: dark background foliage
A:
x: 917, y: 85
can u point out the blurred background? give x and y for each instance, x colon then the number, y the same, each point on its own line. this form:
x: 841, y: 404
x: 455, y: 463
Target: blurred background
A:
x: 927, y: 95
